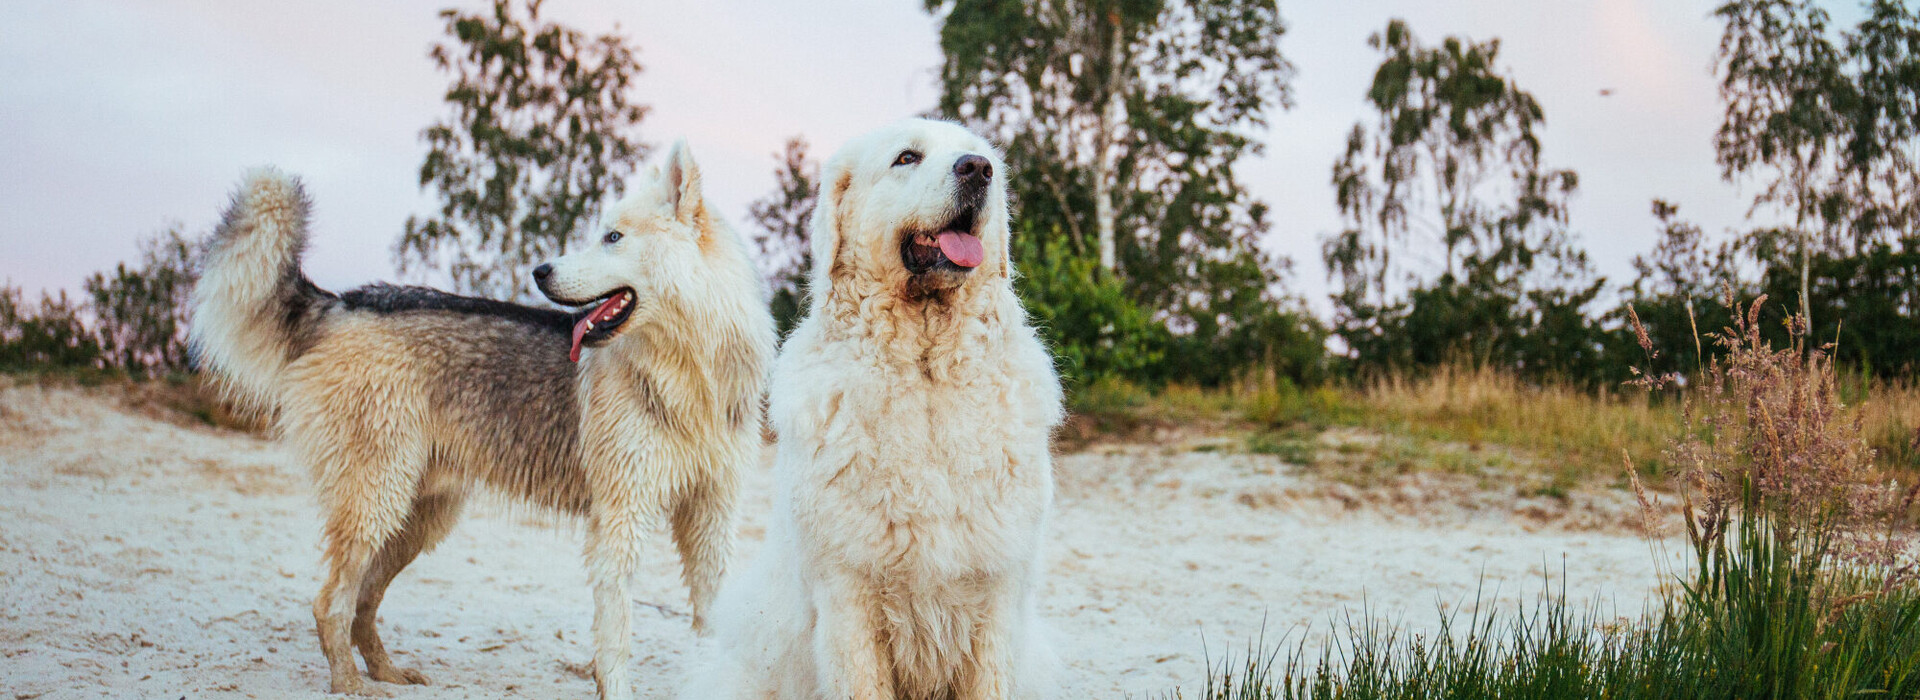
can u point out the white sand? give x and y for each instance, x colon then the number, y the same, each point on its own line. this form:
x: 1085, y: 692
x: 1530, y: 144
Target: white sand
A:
x: 139, y: 558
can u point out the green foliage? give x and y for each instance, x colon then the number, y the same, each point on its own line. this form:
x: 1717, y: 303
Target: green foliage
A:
x: 1869, y: 302
x: 1512, y: 287
x: 1551, y: 651
x: 539, y: 131
x: 1122, y: 122
x: 1868, y: 297
x: 1540, y: 334
x: 782, y: 217
x: 1243, y: 330
x: 1095, y: 331
x: 140, y: 314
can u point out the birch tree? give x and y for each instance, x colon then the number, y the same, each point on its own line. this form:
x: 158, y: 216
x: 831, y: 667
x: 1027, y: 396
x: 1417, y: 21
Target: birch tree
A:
x: 540, y: 129
x: 1826, y: 119
x: 1123, y: 121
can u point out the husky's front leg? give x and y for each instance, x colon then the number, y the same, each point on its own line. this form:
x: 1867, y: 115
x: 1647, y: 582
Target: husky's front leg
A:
x: 702, y: 519
x: 612, y: 557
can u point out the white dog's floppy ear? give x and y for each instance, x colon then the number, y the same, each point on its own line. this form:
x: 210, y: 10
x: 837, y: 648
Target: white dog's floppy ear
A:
x: 836, y: 177
x: 683, y: 184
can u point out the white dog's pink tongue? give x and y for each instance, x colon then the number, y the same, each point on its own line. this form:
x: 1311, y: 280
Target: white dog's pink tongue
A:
x: 962, y: 248
x: 604, y: 311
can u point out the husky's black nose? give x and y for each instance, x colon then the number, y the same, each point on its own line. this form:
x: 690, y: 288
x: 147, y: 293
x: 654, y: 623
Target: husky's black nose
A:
x: 540, y: 273
x: 973, y: 171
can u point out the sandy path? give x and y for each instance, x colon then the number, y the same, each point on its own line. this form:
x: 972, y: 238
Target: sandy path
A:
x: 143, y: 559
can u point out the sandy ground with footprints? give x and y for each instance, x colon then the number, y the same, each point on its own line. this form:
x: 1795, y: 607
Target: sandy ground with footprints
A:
x: 144, y: 557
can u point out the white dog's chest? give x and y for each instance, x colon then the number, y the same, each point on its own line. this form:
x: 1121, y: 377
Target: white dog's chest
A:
x: 942, y: 484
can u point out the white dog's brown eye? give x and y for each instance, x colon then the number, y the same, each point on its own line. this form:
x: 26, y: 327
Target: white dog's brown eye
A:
x: 613, y: 237
x: 907, y: 158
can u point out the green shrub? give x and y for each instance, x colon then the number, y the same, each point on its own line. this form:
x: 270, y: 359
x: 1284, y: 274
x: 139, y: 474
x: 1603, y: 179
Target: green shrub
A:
x: 51, y: 334
x: 133, y: 321
x: 1095, y: 331
x: 140, y: 314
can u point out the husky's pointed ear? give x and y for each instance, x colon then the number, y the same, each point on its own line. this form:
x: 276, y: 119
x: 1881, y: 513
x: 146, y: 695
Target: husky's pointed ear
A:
x: 824, y: 231
x: 683, y: 184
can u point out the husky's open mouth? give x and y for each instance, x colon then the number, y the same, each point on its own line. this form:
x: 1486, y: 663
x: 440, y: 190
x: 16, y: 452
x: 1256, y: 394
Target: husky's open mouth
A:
x: 955, y: 247
x: 599, y: 324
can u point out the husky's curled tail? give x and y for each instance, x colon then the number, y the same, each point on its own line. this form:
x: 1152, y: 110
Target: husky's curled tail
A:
x: 253, y: 309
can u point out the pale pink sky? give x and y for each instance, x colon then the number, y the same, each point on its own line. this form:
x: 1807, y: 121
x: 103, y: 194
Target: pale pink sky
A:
x: 117, y: 118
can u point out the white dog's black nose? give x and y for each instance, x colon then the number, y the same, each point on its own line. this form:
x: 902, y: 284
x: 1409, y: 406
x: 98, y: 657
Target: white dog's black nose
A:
x: 973, y: 171
x: 540, y: 273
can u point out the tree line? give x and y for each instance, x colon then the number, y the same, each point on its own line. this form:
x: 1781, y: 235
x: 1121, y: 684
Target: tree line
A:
x: 1137, y: 242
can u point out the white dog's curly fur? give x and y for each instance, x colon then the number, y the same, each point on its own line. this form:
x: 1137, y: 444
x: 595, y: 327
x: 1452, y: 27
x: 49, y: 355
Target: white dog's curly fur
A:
x: 914, y: 480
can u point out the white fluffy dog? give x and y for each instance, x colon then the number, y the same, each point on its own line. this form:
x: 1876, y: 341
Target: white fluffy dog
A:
x: 913, y: 406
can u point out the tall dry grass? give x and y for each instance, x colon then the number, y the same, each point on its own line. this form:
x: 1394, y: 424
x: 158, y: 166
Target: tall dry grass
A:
x: 1576, y: 432
x: 1564, y: 427
x: 1890, y: 419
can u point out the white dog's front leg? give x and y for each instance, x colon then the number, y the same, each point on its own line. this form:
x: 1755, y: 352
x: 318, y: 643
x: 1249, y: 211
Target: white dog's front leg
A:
x: 846, y: 641
x: 999, y: 626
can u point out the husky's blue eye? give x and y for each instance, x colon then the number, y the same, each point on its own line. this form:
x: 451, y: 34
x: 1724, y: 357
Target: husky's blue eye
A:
x: 612, y: 237
x: 907, y: 158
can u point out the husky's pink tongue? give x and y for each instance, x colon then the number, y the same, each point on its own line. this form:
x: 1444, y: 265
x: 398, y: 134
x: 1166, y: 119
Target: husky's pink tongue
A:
x: 962, y: 248
x: 604, y: 311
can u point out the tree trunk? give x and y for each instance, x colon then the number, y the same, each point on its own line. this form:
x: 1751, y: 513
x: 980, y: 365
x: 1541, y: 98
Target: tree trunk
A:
x: 1806, y: 312
x: 1806, y: 251
x: 1103, y: 214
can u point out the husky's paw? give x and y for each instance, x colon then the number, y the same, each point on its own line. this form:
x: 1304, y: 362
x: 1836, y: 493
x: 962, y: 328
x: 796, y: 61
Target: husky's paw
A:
x: 353, y: 685
x: 395, y: 674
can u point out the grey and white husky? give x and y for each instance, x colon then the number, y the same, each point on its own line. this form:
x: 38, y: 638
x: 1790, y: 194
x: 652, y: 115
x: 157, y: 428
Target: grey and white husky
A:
x: 640, y: 407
